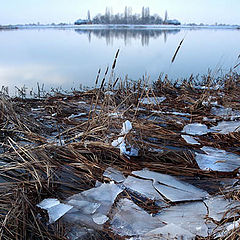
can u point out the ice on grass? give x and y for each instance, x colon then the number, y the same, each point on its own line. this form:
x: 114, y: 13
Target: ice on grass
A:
x: 217, y: 160
x: 225, y: 113
x: 124, y: 148
x: 100, y: 219
x: 130, y: 220
x: 142, y: 187
x: 91, y: 207
x: 127, y: 127
x: 172, y: 188
x: 189, y: 216
x: 218, y: 206
x: 196, y: 129
x: 170, y: 231
x: 114, y: 175
x: 226, y: 127
x: 54, y: 208
x: 152, y: 100
x: 190, y: 140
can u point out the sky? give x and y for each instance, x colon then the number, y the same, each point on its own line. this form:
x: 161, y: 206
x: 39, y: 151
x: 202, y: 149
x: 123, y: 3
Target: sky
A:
x: 67, y: 11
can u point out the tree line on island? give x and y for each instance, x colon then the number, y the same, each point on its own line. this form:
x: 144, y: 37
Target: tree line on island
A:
x: 127, y: 18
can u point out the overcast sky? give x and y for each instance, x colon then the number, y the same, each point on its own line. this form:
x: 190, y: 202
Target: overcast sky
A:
x: 186, y: 11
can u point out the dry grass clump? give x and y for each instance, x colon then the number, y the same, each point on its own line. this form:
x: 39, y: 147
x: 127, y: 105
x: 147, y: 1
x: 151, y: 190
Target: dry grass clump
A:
x: 60, y: 145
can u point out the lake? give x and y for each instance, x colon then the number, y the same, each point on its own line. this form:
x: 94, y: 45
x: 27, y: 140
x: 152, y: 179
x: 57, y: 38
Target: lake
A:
x: 71, y: 57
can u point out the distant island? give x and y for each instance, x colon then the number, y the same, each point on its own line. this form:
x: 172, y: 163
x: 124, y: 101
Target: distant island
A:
x: 145, y: 18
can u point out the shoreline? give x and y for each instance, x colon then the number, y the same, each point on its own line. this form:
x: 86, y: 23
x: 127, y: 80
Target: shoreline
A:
x: 62, y: 146
x: 124, y: 26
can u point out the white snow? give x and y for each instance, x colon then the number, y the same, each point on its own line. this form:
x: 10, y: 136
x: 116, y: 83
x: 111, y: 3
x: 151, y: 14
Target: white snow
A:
x: 217, y: 160
x: 114, y: 175
x: 226, y: 127
x: 152, y: 100
x: 196, y: 129
x: 190, y: 140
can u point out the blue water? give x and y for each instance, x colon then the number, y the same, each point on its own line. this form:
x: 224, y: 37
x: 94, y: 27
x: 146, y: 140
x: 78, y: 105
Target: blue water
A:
x: 70, y: 58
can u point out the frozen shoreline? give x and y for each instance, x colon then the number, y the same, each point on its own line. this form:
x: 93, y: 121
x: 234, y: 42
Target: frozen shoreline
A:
x: 121, y: 26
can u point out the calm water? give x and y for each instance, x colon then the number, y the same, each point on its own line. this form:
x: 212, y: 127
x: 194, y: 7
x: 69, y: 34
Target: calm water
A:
x: 68, y: 58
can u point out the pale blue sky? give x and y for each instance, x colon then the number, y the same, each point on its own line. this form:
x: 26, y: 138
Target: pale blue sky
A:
x: 48, y: 11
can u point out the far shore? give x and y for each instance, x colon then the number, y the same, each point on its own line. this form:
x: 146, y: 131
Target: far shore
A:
x: 119, y: 26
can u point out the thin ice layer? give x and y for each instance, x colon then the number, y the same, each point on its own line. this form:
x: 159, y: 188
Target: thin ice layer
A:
x: 114, y: 175
x: 218, y: 206
x: 130, y: 220
x: 189, y: 216
x: 170, y: 231
x: 217, y: 160
x: 190, y: 140
x: 142, y: 187
x: 196, y: 129
x: 226, y: 127
x: 152, y: 100
x: 54, y: 208
x: 172, y: 188
x: 90, y: 208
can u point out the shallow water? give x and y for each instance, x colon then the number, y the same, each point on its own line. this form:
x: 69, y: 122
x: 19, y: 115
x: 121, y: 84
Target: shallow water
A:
x: 69, y: 57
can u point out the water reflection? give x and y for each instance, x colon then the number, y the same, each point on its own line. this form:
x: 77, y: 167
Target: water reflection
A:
x: 128, y: 35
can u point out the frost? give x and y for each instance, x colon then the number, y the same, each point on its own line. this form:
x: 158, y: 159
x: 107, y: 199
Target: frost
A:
x: 152, y: 100
x: 130, y: 220
x: 196, y: 129
x: 114, y: 175
x: 217, y: 160
x: 190, y: 140
x: 226, y: 127
x: 171, y: 187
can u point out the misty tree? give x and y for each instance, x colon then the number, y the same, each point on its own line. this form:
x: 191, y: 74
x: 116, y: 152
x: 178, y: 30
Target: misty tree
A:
x: 127, y: 17
x: 88, y: 15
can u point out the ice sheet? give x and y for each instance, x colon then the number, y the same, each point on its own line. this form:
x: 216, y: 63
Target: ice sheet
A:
x: 190, y: 140
x: 189, y: 216
x: 196, y: 129
x: 114, y: 175
x: 127, y: 127
x: 172, y: 188
x: 130, y: 220
x: 143, y: 187
x: 218, y: 206
x: 226, y: 127
x: 91, y: 207
x: 217, y: 160
x: 152, y: 100
x: 170, y: 231
x: 54, y: 208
